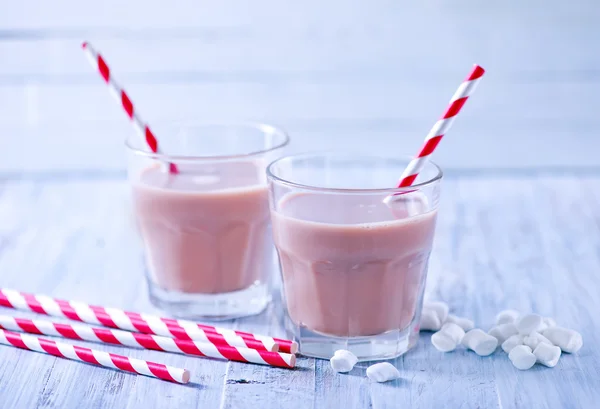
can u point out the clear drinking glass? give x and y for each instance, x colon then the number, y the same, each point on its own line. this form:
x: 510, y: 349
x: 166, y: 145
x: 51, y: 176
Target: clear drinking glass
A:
x: 353, y: 267
x: 206, y: 229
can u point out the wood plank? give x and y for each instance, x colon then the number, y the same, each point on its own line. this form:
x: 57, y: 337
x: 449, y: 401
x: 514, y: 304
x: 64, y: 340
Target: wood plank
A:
x: 491, y: 132
x: 314, y: 50
x: 308, y: 15
x: 89, y: 149
x: 496, y: 102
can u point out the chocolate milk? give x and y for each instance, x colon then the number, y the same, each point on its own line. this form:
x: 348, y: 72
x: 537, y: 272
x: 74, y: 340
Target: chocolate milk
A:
x: 351, y: 265
x: 206, y: 230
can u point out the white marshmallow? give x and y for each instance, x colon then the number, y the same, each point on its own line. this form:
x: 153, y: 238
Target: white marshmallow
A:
x: 534, y: 339
x: 547, y: 354
x: 568, y: 340
x: 465, y: 323
x: 470, y: 337
x: 512, y: 342
x: 440, y: 308
x: 481, y: 343
x: 443, y: 342
x: 529, y: 323
x: 546, y: 323
x: 522, y: 357
x: 454, y: 331
x: 507, y: 317
x: 382, y: 372
x: 343, y: 361
x: 430, y: 320
x: 503, y: 331
x: 448, y: 338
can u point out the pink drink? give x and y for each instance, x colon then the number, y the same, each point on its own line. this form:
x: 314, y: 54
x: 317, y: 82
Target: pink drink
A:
x: 353, y: 266
x: 205, y: 230
x: 352, y: 272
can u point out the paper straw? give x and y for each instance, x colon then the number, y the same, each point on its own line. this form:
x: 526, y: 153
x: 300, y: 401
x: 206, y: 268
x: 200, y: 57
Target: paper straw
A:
x: 153, y: 342
x: 144, y: 323
x: 91, y: 356
x: 442, y: 126
x: 122, y: 98
x: 114, y: 318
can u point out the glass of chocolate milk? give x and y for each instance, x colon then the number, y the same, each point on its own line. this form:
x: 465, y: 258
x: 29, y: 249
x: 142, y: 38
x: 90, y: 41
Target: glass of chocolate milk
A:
x: 205, y: 229
x: 353, y: 266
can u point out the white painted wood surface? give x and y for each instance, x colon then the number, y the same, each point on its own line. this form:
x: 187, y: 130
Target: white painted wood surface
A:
x: 329, y: 72
x: 525, y: 243
x: 519, y: 225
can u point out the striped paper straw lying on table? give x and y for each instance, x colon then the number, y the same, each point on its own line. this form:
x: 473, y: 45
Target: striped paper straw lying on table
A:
x: 91, y: 356
x: 144, y: 323
x: 153, y: 342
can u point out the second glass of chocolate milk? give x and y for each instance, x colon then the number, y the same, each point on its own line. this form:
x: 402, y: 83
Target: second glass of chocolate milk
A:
x: 353, y: 266
x: 206, y: 228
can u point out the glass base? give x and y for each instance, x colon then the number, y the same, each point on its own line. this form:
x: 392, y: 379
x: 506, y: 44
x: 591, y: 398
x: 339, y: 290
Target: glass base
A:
x: 216, y: 307
x: 388, y: 345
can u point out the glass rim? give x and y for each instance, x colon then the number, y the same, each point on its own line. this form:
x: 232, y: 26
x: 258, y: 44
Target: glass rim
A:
x: 271, y: 176
x: 262, y: 127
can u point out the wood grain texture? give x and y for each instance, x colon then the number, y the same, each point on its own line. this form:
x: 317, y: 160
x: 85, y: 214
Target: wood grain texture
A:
x: 329, y: 73
x: 526, y: 243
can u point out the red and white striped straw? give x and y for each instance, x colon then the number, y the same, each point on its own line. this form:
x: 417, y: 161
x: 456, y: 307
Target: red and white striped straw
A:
x: 121, y: 96
x: 153, y: 342
x: 91, y: 356
x: 130, y: 321
x: 144, y: 323
x: 442, y: 126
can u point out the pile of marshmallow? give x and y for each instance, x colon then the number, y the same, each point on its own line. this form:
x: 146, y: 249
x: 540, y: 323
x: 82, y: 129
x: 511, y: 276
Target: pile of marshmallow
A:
x: 526, y: 339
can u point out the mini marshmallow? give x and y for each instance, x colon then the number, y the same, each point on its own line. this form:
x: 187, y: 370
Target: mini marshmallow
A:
x: 481, y: 343
x: 503, y: 331
x: 440, y: 308
x: 529, y: 323
x: 454, y: 331
x: 465, y: 323
x: 512, y: 342
x: 546, y: 323
x: 443, y: 342
x: 471, y: 335
x: 343, y: 361
x: 534, y: 339
x: 507, y: 317
x: 382, y: 372
x: 568, y: 340
x: 522, y: 357
x: 430, y: 320
x: 547, y: 354
x: 448, y: 338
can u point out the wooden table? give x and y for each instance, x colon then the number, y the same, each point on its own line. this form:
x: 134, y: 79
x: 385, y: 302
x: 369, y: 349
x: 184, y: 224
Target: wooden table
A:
x: 529, y: 243
x: 519, y: 223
